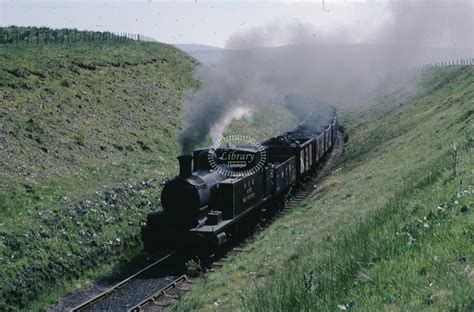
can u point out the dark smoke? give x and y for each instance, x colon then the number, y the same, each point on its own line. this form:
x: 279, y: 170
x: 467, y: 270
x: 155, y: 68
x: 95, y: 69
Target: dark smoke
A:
x: 322, y: 67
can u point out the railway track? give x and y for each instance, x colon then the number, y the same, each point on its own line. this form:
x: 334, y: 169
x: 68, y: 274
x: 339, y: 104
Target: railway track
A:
x: 89, y: 304
x: 165, y: 296
x: 176, y: 289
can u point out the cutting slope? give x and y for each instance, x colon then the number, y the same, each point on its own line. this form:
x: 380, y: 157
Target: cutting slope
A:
x: 391, y: 228
x: 82, y: 127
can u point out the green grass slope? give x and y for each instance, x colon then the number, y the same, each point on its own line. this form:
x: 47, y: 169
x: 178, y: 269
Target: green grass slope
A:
x: 390, y: 229
x: 87, y: 136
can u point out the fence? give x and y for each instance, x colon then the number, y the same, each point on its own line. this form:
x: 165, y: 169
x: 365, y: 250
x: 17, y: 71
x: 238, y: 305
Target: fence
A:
x: 16, y: 35
x: 459, y: 62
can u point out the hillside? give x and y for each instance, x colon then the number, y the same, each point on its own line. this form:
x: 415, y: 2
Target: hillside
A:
x: 390, y: 229
x: 88, y: 134
x: 86, y: 131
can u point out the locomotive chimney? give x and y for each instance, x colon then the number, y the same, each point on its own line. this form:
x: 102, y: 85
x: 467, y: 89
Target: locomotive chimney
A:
x: 185, y: 165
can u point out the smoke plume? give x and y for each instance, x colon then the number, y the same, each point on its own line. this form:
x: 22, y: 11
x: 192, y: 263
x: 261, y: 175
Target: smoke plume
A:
x: 322, y: 66
x: 218, y: 129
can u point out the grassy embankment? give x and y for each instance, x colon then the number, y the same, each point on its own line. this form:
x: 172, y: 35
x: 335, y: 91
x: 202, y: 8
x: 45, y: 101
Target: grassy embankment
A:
x: 390, y: 229
x: 87, y: 135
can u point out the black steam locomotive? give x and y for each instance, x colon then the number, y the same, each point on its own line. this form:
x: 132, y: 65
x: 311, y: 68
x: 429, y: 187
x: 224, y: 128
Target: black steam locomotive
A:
x: 222, y: 192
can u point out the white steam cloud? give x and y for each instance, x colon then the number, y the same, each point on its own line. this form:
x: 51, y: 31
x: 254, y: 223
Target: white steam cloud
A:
x: 217, y: 131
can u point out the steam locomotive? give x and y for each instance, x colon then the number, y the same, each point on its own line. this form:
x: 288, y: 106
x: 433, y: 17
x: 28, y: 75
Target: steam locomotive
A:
x: 221, y: 192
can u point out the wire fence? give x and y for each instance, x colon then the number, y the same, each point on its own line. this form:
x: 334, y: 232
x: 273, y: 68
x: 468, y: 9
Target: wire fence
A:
x: 459, y: 62
x: 35, y: 35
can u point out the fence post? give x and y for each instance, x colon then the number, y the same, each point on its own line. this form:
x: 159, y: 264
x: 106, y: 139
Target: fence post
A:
x: 455, y: 160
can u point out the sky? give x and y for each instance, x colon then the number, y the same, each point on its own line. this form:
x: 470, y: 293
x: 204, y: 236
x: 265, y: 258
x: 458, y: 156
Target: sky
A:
x: 190, y: 21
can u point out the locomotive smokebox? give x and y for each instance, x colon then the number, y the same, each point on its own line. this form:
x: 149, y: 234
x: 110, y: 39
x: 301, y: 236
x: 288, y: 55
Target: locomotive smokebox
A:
x: 185, y: 166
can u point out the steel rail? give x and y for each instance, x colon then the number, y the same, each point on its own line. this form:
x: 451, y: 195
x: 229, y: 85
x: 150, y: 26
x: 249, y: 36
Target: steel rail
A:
x: 119, y: 285
x: 162, y: 292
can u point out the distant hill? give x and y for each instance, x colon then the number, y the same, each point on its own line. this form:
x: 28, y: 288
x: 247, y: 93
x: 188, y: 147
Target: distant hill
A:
x: 203, y: 53
x: 192, y: 47
x: 377, y: 54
